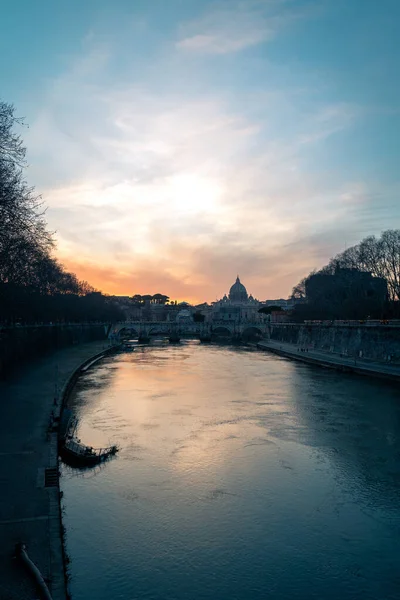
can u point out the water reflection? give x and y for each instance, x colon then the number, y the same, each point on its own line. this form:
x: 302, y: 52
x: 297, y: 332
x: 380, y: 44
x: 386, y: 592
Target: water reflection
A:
x: 357, y: 426
x: 240, y: 475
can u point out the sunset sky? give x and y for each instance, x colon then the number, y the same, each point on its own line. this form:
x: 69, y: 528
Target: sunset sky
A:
x: 177, y: 143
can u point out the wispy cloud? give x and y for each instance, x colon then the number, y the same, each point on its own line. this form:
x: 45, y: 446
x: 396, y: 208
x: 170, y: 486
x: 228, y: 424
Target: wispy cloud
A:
x: 235, y: 25
x: 176, y: 193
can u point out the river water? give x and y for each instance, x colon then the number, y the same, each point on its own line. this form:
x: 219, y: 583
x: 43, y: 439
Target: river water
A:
x: 241, y: 475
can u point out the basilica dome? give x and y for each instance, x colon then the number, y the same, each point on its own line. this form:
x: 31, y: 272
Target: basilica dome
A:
x: 238, y: 292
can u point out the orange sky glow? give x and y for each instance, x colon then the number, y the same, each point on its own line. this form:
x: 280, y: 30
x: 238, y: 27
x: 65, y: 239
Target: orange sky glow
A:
x: 173, y: 170
x: 111, y: 280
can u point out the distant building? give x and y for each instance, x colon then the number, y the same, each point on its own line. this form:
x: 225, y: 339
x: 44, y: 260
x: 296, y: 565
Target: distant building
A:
x: 288, y: 304
x: 279, y: 316
x: 348, y: 293
x: 237, y: 306
x: 130, y: 311
x: 204, y: 309
x: 184, y: 316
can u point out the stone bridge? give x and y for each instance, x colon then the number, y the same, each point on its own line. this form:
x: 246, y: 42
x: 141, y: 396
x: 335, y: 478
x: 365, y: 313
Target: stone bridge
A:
x: 144, y: 330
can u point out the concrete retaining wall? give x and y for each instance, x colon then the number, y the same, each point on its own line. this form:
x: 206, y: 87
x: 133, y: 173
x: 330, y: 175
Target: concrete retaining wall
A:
x: 379, y: 343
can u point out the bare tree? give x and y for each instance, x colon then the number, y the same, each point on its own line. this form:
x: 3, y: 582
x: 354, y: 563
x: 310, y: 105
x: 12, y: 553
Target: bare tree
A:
x: 389, y: 246
x: 378, y: 256
x: 23, y: 231
x: 11, y: 145
x: 299, y: 290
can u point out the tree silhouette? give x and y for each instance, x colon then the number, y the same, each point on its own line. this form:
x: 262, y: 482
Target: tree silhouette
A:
x: 33, y: 284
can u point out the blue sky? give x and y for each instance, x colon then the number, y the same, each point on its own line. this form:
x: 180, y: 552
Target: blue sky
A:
x: 177, y: 143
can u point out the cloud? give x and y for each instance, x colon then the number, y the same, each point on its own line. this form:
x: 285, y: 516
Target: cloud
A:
x: 224, y: 42
x: 233, y: 26
x: 176, y: 193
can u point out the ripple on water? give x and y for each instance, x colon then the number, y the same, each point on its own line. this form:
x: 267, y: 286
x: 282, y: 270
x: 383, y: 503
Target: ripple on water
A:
x: 240, y: 475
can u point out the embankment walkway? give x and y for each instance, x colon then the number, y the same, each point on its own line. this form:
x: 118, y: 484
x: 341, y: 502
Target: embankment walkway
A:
x: 333, y: 361
x: 30, y: 509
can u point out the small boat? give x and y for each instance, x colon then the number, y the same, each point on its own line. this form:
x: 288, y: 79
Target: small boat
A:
x: 75, y: 453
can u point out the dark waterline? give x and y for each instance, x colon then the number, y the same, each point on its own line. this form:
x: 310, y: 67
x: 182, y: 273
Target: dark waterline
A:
x: 241, y: 475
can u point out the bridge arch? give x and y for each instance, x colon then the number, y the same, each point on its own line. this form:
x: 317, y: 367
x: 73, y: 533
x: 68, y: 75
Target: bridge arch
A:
x: 252, y: 332
x: 157, y: 331
x: 127, y: 331
x: 221, y: 330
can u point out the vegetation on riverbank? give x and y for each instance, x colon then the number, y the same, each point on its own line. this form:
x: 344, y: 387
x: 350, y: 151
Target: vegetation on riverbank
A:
x: 34, y: 286
x: 361, y: 282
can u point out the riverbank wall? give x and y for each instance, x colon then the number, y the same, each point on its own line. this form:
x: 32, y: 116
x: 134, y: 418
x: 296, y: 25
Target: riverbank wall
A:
x: 21, y: 344
x: 378, y: 343
x: 30, y: 500
x: 55, y: 441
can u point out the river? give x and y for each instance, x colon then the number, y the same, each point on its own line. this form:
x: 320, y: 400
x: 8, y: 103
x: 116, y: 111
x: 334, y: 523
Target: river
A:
x: 241, y: 475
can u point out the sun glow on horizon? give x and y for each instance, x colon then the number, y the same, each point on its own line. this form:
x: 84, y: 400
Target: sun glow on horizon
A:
x: 226, y: 140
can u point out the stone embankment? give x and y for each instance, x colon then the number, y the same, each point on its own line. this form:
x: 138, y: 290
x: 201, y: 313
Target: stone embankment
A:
x: 22, y: 343
x: 372, y: 341
x: 361, y: 366
x: 30, y: 494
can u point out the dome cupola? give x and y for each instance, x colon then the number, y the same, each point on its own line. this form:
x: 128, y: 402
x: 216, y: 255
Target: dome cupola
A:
x: 238, y: 292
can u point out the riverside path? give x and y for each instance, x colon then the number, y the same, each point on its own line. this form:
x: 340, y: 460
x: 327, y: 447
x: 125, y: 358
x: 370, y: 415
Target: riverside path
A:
x: 29, y: 506
x: 335, y: 361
